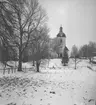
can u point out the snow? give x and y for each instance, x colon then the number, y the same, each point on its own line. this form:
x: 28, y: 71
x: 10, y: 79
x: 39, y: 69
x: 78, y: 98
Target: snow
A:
x: 54, y: 85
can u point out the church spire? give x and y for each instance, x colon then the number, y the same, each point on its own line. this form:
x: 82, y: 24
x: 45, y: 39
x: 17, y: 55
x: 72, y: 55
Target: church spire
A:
x: 61, y: 33
x: 61, y: 28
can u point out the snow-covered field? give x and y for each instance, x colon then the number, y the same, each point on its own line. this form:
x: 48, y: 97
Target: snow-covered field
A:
x: 54, y: 85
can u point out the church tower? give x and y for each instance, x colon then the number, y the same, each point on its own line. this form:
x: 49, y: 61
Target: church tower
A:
x: 61, y: 40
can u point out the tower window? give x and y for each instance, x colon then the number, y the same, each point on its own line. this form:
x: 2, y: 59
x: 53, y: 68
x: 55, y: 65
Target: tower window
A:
x: 60, y: 40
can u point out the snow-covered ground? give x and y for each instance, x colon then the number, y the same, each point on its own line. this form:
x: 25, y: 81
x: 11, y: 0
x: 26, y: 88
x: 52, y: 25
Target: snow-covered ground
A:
x: 54, y: 85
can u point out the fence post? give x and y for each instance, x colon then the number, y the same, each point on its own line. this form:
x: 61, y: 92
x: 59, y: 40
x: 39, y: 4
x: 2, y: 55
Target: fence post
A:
x: 15, y: 70
x: 4, y: 70
x: 8, y: 70
x: 12, y: 70
x: 25, y: 70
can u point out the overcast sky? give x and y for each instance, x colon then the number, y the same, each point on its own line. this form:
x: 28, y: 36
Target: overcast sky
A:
x: 78, y: 18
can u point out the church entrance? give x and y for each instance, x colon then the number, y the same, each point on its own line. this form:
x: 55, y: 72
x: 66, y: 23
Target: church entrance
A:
x: 59, y: 55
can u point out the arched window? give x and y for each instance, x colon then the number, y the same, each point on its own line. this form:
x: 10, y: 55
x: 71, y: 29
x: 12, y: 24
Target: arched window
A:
x: 60, y: 40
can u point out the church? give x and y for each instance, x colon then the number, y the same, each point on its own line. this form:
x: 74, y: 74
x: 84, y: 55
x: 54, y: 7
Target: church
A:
x: 61, y: 40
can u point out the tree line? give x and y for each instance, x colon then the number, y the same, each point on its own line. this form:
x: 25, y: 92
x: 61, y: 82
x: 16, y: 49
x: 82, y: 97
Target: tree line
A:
x: 87, y: 51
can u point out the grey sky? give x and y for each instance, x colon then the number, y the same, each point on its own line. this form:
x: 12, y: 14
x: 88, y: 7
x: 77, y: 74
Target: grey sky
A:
x: 78, y: 18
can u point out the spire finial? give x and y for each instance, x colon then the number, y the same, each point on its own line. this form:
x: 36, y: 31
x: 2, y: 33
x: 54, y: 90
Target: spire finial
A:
x: 61, y: 28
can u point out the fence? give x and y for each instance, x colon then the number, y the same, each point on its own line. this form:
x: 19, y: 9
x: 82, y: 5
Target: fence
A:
x: 14, y: 70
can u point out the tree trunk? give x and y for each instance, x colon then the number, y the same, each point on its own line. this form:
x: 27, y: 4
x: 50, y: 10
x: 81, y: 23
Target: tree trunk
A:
x: 33, y: 63
x: 75, y: 63
x: 90, y: 59
x: 58, y: 55
x: 20, y: 65
x: 20, y: 46
x: 20, y: 61
x: 37, y: 65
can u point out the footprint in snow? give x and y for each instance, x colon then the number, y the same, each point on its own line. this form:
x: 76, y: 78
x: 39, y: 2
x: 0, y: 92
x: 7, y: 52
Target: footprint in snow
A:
x: 40, y: 99
x: 44, y: 90
x: 52, y: 92
x: 0, y: 95
x: 11, y: 104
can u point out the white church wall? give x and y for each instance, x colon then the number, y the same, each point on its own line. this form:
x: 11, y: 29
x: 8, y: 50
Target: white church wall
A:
x: 62, y: 43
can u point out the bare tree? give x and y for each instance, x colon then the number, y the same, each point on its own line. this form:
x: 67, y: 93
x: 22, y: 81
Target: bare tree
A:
x: 75, y: 55
x: 23, y: 17
x: 40, y: 46
x: 88, y: 51
x: 53, y: 49
x: 91, y: 50
x: 65, y: 57
x: 83, y: 51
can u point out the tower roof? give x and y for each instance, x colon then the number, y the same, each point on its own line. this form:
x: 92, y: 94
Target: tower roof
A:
x: 66, y: 48
x: 61, y: 33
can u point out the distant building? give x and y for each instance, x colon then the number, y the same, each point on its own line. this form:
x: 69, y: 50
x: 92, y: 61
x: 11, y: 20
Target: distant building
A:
x: 61, y: 40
